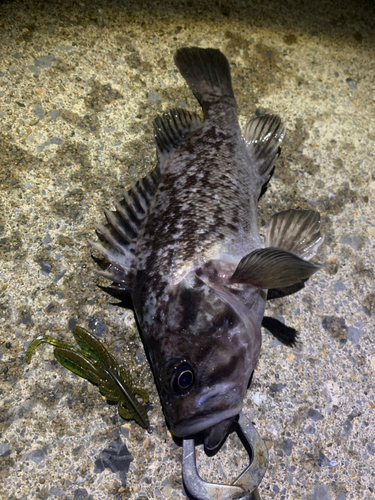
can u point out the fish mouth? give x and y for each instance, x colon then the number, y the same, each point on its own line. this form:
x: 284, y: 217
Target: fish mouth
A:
x: 216, y: 425
x: 218, y: 433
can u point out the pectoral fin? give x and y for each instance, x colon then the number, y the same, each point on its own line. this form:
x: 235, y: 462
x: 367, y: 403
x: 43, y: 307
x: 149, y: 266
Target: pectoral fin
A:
x: 273, y: 268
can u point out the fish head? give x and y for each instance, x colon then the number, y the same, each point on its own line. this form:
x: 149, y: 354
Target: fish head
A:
x: 203, y: 352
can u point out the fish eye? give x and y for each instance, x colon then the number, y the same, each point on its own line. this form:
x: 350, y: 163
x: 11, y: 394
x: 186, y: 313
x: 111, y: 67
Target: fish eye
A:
x: 182, y: 378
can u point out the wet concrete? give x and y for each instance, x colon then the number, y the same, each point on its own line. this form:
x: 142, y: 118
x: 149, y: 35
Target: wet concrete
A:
x: 80, y: 83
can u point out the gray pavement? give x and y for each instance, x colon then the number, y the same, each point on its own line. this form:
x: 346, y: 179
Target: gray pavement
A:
x: 80, y: 83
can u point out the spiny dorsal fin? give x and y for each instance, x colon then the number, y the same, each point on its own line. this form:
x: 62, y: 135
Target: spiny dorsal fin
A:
x: 172, y: 127
x: 133, y: 207
x: 117, y: 239
x: 297, y: 231
x: 263, y: 136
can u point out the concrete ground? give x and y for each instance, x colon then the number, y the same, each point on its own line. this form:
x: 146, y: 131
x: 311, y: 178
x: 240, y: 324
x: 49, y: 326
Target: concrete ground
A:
x: 80, y: 83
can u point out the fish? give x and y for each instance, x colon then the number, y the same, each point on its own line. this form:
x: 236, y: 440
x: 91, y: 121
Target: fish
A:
x: 184, y: 251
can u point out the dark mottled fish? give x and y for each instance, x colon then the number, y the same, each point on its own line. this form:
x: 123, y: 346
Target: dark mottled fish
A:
x: 184, y: 245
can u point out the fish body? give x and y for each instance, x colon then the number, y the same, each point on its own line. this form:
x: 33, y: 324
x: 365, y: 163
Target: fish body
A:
x: 184, y: 243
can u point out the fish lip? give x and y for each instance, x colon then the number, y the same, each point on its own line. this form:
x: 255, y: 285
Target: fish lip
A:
x: 217, y: 434
x: 202, y: 422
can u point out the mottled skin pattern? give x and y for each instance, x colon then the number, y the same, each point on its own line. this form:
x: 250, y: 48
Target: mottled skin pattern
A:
x: 183, y: 249
x: 184, y: 246
x: 205, y: 207
x: 204, y: 210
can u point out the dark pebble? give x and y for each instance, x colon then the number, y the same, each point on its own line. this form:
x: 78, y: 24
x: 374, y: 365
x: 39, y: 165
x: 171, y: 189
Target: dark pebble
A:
x: 50, y: 307
x: 80, y: 494
x: 72, y: 323
x: 97, y: 327
x: 54, y: 114
x: 274, y: 388
x: 339, y: 286
x: 46, y: 239
x: 39, y: 111
x: 5, y: 450
x: 260, y: 112
x: 310, y: 429
x: 36, y: 456
x: 323, y: 461
x: 44, y: 61
x: 347, y: 428
x: 117, y: 458
x: 353, y: 241
x: 320, y: 492
x: 354, y: 334
x: 315, y: 415
x: 371, y: 448
x: 59, y: 276
x: 58, y: 492
x: 154, y: 97
x: 45, y: 267
x: 287, y: 447
x: 352, y: 84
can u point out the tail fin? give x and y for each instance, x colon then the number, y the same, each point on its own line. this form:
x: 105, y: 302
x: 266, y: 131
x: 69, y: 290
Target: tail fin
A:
x: 207, y: 73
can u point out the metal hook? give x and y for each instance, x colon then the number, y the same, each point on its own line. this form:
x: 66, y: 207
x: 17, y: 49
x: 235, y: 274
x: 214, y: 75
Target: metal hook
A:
x: 245, y: 486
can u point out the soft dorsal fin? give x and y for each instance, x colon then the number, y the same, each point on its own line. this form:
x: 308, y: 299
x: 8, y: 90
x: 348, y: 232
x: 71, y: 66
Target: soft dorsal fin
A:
x: 117, y: 238
x: 172, y: 127
x: 297, y: 231
x: 262, y: 136
x: 272, y: 268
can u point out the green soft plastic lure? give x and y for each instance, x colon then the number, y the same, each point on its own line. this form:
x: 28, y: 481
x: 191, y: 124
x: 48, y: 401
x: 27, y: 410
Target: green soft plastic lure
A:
x: 93, y: 362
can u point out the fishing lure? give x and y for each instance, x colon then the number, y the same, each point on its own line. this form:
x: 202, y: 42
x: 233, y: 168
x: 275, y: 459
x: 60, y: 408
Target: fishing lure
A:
x: 93, y: 362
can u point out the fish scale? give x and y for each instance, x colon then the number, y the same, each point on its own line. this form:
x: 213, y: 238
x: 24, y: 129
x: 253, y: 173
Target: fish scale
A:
x: 200, y: 200
x: 187, y: 252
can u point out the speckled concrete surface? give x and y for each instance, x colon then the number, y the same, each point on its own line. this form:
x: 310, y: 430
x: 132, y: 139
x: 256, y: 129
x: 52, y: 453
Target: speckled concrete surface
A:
x: 80, y: 83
